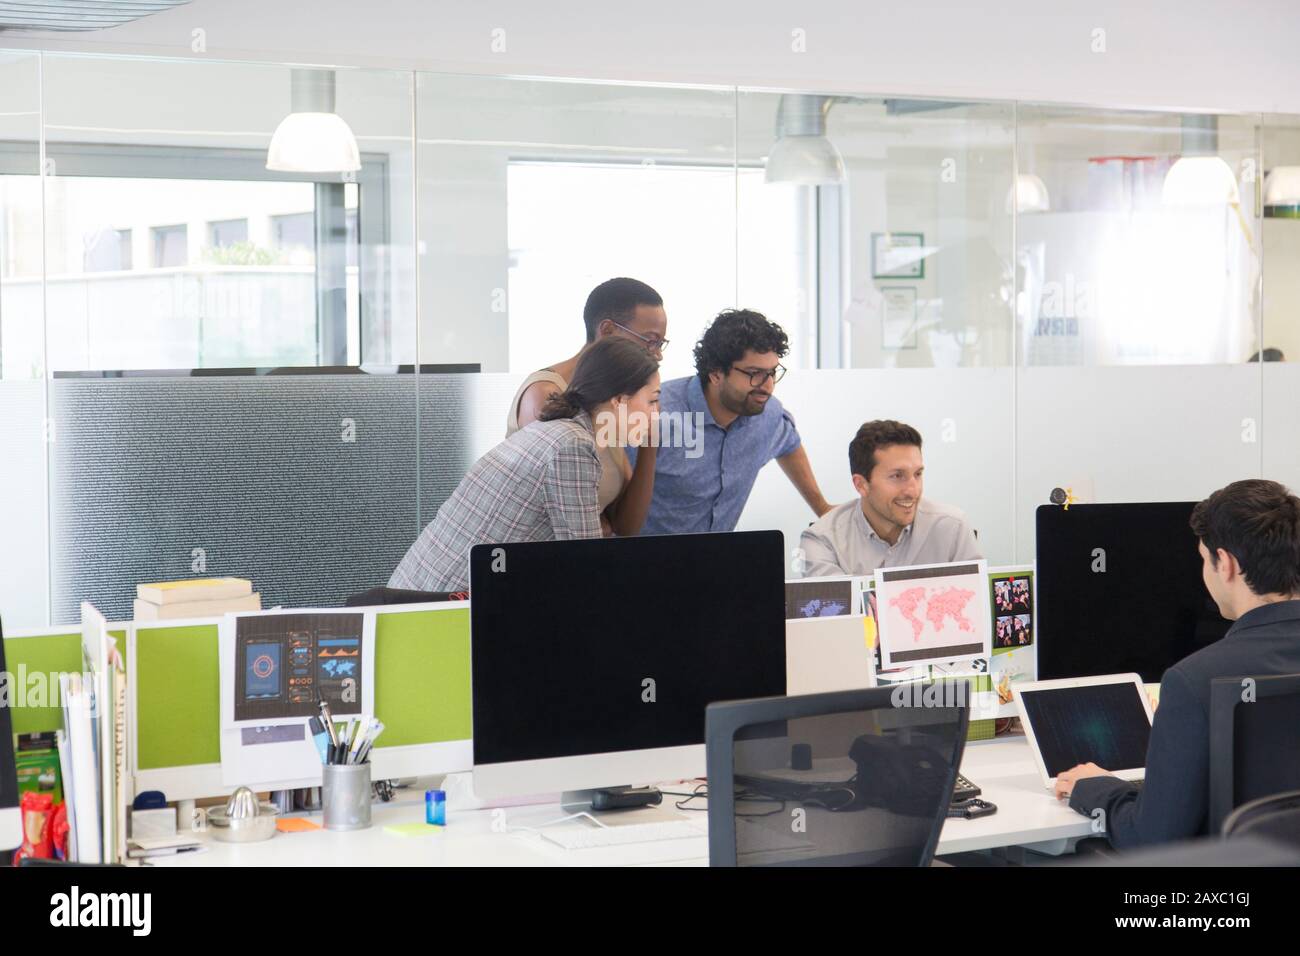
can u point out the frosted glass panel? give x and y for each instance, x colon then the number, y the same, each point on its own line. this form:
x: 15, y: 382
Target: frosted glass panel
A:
x: 1282, y: 423
x: 1139, y: 237
x: 965, y: 420
x: 1133, y: 434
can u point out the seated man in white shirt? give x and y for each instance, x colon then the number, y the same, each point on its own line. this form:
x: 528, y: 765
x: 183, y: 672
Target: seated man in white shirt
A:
x: 889, y: 525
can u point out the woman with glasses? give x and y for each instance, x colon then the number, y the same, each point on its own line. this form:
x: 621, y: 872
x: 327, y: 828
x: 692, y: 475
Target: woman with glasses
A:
x: 541, y: 483
x: 621, y: 308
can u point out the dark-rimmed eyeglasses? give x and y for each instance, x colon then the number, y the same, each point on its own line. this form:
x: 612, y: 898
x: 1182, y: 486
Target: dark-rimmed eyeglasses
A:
x: 759, y: 376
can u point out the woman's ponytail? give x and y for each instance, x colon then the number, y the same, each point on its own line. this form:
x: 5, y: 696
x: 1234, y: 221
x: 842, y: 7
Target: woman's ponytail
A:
x: 608, y: 367
x: 565, y: 404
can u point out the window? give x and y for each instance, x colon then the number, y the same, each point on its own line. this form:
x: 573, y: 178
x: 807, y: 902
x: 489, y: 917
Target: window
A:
x: 260, y: 289
x: 227, y: 233
x: 294, y: 234
x: 170, y: 246
x: 573, y: 225
x: 107, y: 250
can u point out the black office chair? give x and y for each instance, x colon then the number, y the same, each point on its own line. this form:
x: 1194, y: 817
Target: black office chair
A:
x: 1275, y: 818
x: 378, y: 596
x: 848, y: 778
x: 1254, y: 746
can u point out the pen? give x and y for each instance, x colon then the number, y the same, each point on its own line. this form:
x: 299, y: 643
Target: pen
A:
x: 376, y: 728
x: 328, y: 720
x: 359, y: 739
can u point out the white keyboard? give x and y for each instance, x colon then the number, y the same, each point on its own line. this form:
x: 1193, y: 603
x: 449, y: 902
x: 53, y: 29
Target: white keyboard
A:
x: 587, y: 838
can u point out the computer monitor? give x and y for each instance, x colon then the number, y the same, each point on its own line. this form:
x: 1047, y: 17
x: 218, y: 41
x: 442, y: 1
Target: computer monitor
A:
x: 853, y: 778
x: 11, y: 827
x: 593, y: 661
x: 1120, y: 589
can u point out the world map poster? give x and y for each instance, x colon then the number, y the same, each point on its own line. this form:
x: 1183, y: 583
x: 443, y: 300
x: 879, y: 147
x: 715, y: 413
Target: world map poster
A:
x: 933, y: 613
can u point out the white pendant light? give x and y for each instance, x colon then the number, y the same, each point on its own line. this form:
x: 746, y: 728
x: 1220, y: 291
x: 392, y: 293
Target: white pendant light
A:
x: 1199, y: 181
x: 313, y: 138
x: 802, y: 154
x: 1282, y: 193
x: 1200, y: 177
x: 1029, y: 194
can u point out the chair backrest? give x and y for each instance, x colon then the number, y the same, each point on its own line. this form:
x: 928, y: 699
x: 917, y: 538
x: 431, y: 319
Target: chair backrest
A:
x: 376, y: 596
x: 849, y: 778
x: 1254, y: 745
x: 1276, y: 818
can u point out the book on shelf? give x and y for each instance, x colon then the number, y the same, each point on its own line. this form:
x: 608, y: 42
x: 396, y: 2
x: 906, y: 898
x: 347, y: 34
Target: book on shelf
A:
x: 163, y: 593
x: 148, y: 611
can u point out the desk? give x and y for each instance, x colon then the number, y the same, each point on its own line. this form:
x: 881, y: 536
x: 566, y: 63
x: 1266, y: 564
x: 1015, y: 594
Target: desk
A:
x: 1027, y: 814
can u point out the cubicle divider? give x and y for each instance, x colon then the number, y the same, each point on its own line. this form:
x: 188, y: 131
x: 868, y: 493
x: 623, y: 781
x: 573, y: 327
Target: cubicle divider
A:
x: 422, y: 694
x: 35, y: 657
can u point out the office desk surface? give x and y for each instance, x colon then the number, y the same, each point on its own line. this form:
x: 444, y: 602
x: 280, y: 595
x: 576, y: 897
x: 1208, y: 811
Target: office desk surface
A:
x: 1027, y: 814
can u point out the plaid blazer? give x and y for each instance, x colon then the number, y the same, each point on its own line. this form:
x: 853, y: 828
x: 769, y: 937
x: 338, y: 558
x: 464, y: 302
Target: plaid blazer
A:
x: 540, y: 484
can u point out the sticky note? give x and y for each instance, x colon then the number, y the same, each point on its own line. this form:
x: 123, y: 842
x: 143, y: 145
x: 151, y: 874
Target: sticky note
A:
x: 412, y: 829
x: 869, y: 629
x: 295, y: 825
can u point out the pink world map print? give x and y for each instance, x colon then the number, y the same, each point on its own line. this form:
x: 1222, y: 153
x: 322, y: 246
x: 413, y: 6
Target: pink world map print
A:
x: 939, y: 604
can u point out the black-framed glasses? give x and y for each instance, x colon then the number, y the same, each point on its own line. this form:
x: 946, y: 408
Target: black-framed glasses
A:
x: 654, y: 345
x: 759, y: 376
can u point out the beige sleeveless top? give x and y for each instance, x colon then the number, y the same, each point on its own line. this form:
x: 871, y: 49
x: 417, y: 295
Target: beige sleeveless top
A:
x: 612, y: 460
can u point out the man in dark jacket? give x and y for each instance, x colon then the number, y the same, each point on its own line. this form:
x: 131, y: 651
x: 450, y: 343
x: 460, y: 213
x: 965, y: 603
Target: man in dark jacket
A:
x: 1250, y: 548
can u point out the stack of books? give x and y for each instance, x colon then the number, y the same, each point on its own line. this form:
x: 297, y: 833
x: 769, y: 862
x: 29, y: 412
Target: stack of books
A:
x: 197, y: 597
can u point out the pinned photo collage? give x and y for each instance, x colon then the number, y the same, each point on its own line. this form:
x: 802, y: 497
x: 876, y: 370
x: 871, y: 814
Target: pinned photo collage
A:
x: 1013, y: 611
x: 1014, y: 660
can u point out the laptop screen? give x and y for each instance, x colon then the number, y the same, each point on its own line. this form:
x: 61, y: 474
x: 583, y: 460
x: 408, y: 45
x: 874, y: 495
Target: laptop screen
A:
x: 1105, y: 724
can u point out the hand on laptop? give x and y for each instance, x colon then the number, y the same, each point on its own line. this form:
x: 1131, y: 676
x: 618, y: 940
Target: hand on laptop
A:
x: 1066, y: 780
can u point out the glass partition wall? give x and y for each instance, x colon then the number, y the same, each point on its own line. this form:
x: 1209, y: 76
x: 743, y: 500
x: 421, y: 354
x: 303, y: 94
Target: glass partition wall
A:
x: 1053, y: 296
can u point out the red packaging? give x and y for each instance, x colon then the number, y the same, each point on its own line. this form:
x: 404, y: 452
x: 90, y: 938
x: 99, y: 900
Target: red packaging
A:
x: 36, y: 808
x: 59, y: 831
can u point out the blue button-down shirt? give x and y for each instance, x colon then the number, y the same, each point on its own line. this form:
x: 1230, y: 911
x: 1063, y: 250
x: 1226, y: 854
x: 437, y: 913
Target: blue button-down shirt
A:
x: 708, y: 492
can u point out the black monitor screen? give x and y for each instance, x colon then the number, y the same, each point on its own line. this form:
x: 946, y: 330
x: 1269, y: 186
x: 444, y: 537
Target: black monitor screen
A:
x: 1120, y: 590
x: 1105, y: 724
x: 617, y: 644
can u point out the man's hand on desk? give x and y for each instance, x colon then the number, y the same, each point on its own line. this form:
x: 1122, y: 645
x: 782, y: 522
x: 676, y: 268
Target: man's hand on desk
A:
x: 1066, y: 780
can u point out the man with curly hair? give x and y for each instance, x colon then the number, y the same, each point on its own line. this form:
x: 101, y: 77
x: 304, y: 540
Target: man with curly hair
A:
x: 702, y: 485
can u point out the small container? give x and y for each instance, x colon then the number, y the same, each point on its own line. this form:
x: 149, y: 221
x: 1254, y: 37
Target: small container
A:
x: 345, y: 796
x: 435, y: 808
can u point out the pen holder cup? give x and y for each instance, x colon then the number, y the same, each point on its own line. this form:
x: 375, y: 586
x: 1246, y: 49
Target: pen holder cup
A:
x: 345, y: 796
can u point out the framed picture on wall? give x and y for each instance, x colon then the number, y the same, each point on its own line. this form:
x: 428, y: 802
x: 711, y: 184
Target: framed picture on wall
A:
x: 898, y: 317
x: 897, y: 255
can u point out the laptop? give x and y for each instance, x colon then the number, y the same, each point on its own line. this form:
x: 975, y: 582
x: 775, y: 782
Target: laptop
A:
x: 1104, y: 720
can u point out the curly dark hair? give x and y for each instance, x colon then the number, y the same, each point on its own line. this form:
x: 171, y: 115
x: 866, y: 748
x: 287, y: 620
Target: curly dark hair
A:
x: 733, y: 333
